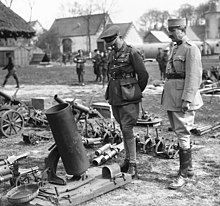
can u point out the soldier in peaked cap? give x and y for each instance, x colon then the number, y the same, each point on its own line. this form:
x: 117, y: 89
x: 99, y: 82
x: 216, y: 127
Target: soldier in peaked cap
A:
x: 181, y: 96
x: 128, y: 79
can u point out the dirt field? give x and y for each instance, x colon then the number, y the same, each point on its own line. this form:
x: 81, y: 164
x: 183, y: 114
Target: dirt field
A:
x: 155, y: 172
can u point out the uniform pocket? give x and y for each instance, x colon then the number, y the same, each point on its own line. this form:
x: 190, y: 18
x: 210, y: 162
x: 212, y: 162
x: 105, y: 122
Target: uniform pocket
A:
x: 179, y: 63
x: 179, y: 87
x: 130, y: 89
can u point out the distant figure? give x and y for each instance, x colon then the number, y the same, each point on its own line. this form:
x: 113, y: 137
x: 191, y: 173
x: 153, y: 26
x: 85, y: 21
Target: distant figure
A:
x: 64, y: 59
x: 164, y: 61
x: 96, y: 65
x: 159, y: 60
x: 80, y: 66
x: 11, y: 71
x: 104, y: 66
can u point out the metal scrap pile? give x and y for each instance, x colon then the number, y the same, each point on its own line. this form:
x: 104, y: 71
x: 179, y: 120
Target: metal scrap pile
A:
x: 211, y: 81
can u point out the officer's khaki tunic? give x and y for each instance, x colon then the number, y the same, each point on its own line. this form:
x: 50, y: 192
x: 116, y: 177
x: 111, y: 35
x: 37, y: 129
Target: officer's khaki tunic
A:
x: 185, y: 59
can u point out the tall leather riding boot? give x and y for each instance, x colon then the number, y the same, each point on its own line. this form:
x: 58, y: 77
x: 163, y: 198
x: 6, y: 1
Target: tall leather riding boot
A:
x: 132, y: 169
x: 125, y: 165
x: 184, y: 157
x: 190, y: 172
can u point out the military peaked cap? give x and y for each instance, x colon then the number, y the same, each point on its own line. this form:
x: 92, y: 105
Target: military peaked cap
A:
x: 176, y: 22
x: 110, y: 32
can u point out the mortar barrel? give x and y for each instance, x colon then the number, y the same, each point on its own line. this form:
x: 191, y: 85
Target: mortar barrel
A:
x: 67, y: 138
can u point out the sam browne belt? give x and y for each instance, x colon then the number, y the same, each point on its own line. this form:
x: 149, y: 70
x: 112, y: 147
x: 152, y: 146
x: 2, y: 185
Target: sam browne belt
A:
x: 122, y: 76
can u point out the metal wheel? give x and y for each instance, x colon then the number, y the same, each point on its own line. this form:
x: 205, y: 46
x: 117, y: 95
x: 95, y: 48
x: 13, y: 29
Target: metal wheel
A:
x: 11, y: 123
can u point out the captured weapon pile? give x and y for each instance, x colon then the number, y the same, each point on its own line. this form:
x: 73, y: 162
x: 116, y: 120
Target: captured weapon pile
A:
x: 159, y: 146
x: 107, y: 152
x: 211, y: 81
x: 204, y: 129
x: 10, y: 171
x: 15, y: 115
x: 93, y: 130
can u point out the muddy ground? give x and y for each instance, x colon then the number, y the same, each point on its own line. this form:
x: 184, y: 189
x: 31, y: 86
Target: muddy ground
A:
x: 155, y: 172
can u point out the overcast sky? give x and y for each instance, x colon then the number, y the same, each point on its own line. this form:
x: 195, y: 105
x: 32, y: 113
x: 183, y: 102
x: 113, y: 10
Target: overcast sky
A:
x: 46, y: 11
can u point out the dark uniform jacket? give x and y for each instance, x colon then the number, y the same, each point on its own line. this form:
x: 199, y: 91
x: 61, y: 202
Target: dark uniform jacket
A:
x: 128, y: 76
x: 185, y: 59
x: 10, y: 65
x: 80, y: 63
x: 96, y: 62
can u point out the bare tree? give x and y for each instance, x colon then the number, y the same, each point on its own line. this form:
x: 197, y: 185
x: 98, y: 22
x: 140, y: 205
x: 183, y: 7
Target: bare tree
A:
x: 8, y: 3
x: 186, y: 11
x: 153, y: 18
x: 31, y: 5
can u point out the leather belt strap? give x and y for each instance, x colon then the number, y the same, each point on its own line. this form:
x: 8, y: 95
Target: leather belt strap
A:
x: 175, y: 75
x: 123, y: 76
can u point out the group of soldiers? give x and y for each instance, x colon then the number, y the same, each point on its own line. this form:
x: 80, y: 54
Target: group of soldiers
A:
x: 100, y: 65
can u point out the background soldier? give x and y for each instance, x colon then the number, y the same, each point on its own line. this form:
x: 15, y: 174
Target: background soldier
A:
x: 80, y: 66
x: 128, y: 78
x: 164, y: 61
x: 11, y: 71
x: 181, y: 95
x: 159, y: 60
x: 104, y: 66
x: 96, y: 65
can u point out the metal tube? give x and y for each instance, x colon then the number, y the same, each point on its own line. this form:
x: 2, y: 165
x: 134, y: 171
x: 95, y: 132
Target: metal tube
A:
x: 58, y: 99
x: 5, y: 178
x: 98, y: 161
x: 68, y: 139
x: 7, y: 97
x: 4, y: 170
x: 102, y: 149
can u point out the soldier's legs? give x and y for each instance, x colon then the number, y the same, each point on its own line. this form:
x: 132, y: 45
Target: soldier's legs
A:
x: 16, y: 79
x: 82, y: 77
x: 79, y: 77
x: 128, y: 115
x: 170, y: 117
x: 183, y: 123
x: 6, y: 79
x: 116, y: 114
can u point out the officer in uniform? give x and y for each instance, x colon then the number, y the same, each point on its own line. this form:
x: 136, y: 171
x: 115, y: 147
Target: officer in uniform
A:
x: 128, y: 79
x: 181, y: 96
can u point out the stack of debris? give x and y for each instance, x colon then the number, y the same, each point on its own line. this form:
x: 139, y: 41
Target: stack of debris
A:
x: 211, y: 81
x: 204, y: 129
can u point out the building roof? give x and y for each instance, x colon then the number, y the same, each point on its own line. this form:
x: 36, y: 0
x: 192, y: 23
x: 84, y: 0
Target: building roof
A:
x: 78, y: 26
x: 12, y: 25
x: 191, y: 34
x: 159, y: 35
x: 199, y: 30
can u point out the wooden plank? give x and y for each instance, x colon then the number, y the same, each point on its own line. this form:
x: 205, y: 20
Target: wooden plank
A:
x: 92, y: 189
